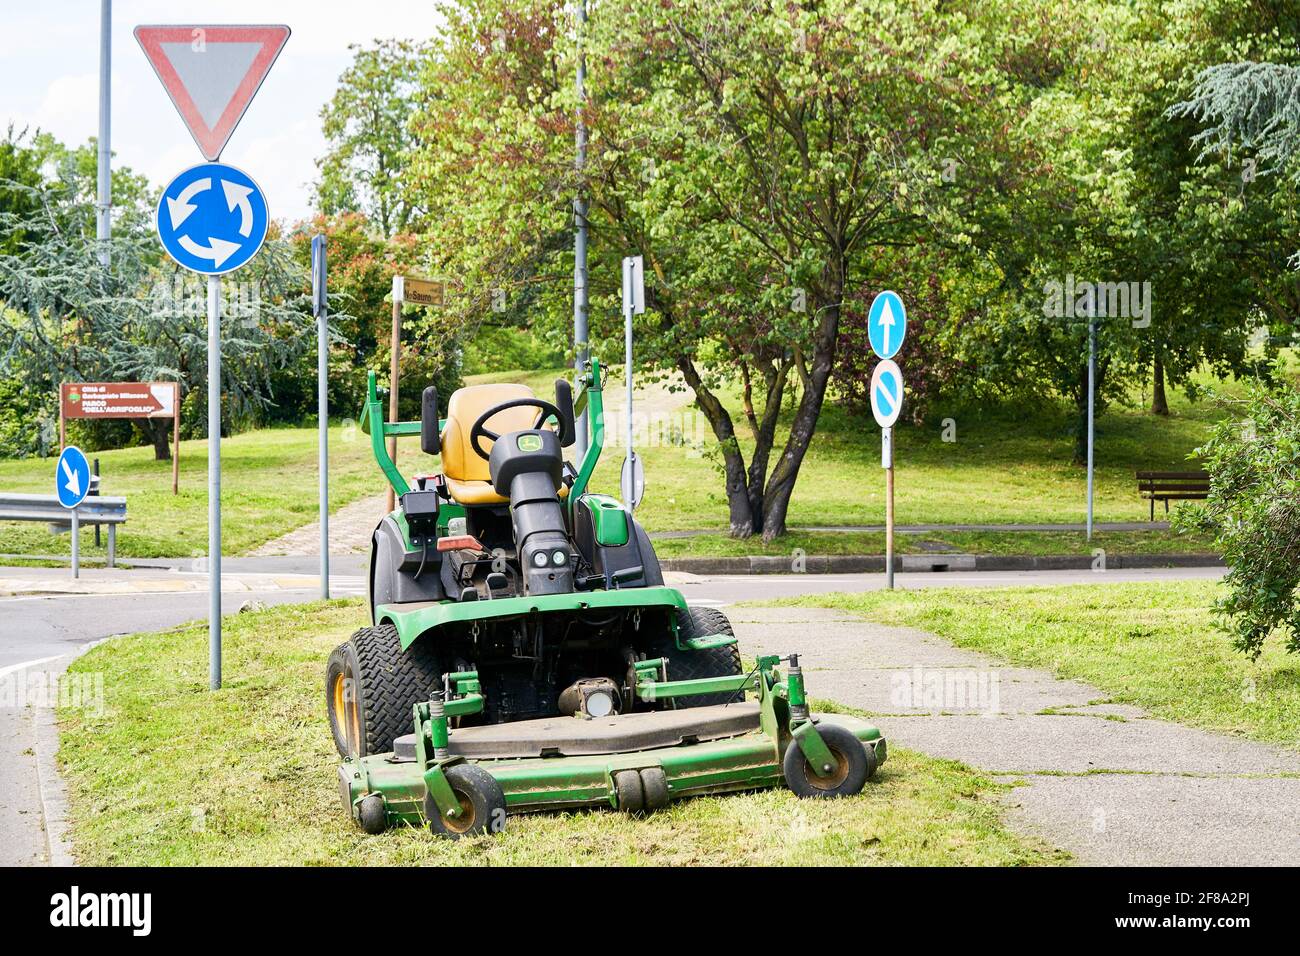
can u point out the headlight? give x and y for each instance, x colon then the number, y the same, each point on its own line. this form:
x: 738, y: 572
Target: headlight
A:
x: 559, y: 558
x: 539, y: 559
x: 599, y: 704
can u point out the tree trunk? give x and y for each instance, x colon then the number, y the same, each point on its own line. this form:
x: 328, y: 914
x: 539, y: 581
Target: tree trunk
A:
x: 742, y: 520
x: 1159, y: 402
x: 1081, y: 423
x: 158, y: 431
x: 781, y: 485
x: 161, y: 433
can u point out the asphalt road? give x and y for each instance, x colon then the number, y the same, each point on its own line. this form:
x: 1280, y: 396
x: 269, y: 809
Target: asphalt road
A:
x: 41, y: 632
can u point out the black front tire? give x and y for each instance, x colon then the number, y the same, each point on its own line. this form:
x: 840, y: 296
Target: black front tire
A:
x: 482, y: 803
x: 714, y: 662
x: 371, y: 684
x: 854, y: 763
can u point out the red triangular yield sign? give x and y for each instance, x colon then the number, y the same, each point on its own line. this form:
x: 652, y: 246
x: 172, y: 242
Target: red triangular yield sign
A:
x: 211, y: 73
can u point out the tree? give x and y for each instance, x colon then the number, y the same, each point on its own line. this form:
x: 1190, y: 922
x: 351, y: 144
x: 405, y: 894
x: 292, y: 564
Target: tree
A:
x: 758, y: 157
x: 361, y: 269
x: 1253, y: 510
x: 20, y: 172
x: 1255, y: 106
x: 1118, y: 199
x: 65, y: 317
x: 366, y: 125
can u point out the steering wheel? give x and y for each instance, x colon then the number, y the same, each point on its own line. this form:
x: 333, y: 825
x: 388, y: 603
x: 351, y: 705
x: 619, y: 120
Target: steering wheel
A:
x: 478, y: 432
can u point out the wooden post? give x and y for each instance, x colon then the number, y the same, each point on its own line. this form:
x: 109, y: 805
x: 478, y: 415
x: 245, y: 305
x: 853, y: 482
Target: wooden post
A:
x: 176, y: 439
x: 393, y: 372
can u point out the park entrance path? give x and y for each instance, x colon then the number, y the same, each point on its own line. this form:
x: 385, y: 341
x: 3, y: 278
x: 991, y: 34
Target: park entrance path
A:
x: 1107, y: 782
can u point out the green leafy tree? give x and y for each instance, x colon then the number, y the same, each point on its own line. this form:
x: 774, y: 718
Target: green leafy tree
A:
x: 1254, y: 512
x: 366, y: 125
x: 20, y: 173
x: 65, y: 317
x: 362, y: 265
x: 758, y: 157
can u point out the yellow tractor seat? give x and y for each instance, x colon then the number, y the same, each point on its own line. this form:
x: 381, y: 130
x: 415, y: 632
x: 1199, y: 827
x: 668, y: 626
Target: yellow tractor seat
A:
x: 467, y: 475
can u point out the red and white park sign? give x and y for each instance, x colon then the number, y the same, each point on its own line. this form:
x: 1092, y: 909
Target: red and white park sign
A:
x: 212, y: 73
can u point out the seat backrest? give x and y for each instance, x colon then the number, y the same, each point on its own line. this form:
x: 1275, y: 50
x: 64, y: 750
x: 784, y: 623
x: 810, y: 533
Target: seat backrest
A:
x: 459, y: 460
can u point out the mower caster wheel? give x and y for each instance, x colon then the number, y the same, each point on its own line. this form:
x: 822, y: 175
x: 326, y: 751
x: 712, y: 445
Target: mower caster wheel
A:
x: 854, y: 763
x: 482, y: 804
x: 630, y: 791
x: 372, y: 814
x: 654, y: 784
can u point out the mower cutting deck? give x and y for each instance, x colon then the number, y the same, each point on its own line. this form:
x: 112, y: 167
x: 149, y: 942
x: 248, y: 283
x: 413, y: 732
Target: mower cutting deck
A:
x: 535, y: 660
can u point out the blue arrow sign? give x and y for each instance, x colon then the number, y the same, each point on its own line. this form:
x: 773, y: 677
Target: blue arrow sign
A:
x: 887, y: 324
x: 212, y: 218
x: 72, y: 477
x: 886, y: 393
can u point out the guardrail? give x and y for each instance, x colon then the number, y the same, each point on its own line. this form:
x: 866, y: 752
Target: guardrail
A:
x: 94, y: 510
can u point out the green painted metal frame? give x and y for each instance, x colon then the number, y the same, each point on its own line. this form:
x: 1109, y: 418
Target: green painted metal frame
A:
x: 747, y: 761
x: 419, y: 618
x: 590, y: 397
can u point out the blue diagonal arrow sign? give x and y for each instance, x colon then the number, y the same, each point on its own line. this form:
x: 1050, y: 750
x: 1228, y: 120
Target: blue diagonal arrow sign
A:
x: 212, y: 218
x: 886, y: 393
x: 72, y: 477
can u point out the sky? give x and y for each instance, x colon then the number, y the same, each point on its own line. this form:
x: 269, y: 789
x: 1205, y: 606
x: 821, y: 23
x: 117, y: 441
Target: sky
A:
x: 49, y: 78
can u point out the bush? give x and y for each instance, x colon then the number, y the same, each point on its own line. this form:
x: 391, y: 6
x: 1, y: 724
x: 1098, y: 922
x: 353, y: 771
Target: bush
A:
x: 1253, y: 509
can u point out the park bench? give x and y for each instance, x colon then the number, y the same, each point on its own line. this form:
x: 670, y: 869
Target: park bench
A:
x: 94, y: 510
x: 1167, y: 486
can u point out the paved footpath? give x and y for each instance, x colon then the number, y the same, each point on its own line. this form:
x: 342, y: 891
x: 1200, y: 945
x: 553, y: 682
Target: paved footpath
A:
x: 1107, y: 782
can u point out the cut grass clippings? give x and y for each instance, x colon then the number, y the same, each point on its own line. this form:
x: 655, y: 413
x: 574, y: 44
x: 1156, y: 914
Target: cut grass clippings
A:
x: 170, y: 773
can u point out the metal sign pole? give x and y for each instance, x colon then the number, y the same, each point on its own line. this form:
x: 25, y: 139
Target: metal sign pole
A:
x: 176, y: 438
x: 1092, y: 392
x: 581, y: 330
x: 214, y: 482
x: 627, y: 360
x: 322, y: 403
x: 104, y: 179
x: 76, y: 545
x: 394, y: 369
x: 887, y: 460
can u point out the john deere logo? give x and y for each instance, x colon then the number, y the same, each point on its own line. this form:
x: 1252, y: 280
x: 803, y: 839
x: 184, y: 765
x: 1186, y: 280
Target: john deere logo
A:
x: 530, y: 442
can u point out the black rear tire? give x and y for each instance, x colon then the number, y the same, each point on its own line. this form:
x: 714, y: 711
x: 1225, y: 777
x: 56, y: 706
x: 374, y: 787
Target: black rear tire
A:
x: 371, y: 684
x: 714, y: 662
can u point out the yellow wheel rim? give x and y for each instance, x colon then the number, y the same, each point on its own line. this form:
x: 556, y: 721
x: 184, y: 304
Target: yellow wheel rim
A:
x: 345, y: 713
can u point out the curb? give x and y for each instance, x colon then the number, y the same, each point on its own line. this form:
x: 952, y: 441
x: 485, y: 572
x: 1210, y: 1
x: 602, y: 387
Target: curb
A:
x: 865, y: 563
x: 50, y: 784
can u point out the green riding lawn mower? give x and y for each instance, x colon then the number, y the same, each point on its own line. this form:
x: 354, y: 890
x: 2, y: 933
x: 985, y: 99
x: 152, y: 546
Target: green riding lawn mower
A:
x: 524, y: 653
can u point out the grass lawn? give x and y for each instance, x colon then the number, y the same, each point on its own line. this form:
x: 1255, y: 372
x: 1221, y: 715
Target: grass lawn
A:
x: 964, y: 542
x: 1005, y: 466
x: 170, y: 773
x: 268, y: 487
x: 1150, y: 644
